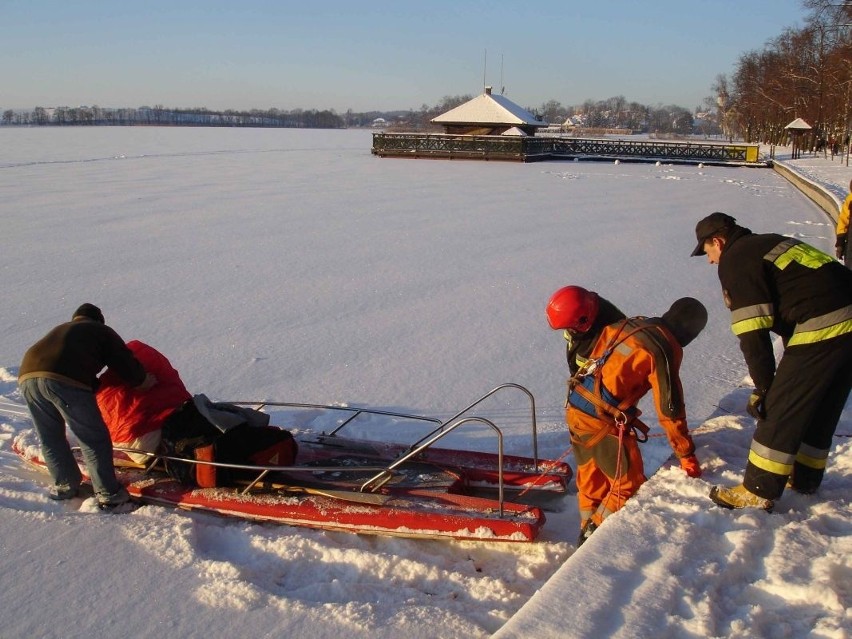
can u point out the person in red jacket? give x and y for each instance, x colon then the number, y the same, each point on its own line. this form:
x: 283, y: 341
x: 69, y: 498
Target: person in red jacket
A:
x: 168, y: 420
x: 629, y: 357
x: 135, y: 419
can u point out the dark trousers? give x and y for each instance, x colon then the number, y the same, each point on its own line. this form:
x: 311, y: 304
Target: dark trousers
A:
x: 847, y: 259
x: 53, y: 404
x: 803, y: 406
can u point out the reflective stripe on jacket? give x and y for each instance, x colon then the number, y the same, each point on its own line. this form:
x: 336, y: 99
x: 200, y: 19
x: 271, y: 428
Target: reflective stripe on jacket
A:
x: 780, y: 284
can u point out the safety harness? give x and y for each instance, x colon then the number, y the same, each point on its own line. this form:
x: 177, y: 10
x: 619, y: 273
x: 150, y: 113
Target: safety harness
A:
x: 587, y: 393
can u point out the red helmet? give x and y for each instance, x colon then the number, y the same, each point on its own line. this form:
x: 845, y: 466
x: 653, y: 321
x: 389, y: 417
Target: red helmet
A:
x: 573, y: 308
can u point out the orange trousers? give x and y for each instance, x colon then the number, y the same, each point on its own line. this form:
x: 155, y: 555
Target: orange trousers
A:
x: 603, y: 487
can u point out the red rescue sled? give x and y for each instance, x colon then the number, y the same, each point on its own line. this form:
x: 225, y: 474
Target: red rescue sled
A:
x: 359, y: 485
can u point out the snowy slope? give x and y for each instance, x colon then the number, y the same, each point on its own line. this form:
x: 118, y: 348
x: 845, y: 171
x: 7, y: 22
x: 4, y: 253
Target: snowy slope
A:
x: 670, y: 565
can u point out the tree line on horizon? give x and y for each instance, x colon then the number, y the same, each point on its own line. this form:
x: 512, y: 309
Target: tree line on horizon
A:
x: 614, y: 112
x: 162, y: 116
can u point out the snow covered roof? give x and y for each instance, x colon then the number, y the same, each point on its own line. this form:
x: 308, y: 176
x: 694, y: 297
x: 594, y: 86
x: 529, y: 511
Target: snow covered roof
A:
x: 515, y: 131
x: 799, y: 124
x: 488, y: 109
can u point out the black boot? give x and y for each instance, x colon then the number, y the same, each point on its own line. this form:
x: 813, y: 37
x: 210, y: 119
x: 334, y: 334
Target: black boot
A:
x: 586, y: 531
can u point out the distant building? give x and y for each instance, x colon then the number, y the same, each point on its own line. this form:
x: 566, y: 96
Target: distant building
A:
x: 379, y: 123
x: 489, y: 114
x: 573, y: 122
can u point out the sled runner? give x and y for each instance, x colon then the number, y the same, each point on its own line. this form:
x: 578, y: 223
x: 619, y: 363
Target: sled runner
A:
x: 360, y: 485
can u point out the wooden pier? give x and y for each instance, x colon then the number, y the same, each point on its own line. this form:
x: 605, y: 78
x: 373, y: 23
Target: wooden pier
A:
x: 532, y: 148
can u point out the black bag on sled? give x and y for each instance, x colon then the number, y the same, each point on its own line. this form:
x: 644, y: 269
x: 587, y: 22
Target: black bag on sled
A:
x: 187, y: 433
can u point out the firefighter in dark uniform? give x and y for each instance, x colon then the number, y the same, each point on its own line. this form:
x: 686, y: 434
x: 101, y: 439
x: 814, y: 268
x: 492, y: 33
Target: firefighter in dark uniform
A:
x: 773, y: 283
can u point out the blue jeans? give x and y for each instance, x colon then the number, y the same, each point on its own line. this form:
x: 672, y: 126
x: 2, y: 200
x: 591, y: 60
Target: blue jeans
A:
x: 53, y: 404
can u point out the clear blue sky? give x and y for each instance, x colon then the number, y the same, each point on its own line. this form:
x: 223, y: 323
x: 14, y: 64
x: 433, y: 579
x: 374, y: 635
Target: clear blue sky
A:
x: 366, y: 55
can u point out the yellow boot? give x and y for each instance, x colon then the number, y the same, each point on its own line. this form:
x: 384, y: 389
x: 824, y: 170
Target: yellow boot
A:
x: 739, y: 497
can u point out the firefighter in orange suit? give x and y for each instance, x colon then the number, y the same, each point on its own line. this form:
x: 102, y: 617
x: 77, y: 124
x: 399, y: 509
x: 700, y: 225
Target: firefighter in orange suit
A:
x: 628, y: 357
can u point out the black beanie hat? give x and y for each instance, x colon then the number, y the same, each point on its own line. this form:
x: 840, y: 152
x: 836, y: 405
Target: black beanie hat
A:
x: 91, y: 311
x: 686, y: 318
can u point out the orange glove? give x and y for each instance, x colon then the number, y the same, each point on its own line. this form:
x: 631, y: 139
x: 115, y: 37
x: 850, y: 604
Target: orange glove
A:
x: 691, y: 466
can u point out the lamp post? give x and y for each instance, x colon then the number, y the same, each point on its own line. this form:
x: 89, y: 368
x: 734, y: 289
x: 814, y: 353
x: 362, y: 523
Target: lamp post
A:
x: 846, y: 141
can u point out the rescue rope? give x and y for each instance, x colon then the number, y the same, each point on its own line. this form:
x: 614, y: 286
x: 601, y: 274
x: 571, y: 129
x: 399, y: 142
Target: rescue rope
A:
x: 545, y: 471
x: 618, y: 468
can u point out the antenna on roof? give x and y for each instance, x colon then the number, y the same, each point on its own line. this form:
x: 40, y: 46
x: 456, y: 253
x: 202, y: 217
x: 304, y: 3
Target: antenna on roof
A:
x: 484, y: 67
x: 502, y: 86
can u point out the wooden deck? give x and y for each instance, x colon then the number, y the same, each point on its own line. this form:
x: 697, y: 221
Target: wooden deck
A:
x: 531, y: 149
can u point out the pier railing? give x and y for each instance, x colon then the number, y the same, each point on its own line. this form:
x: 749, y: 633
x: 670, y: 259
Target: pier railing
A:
x: 530, y: 149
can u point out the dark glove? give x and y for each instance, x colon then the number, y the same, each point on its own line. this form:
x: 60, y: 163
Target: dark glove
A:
x: 840, y: 246
x: 756, y: 404
x: 691, y: 466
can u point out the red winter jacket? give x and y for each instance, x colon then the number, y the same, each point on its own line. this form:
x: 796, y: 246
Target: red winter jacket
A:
x: 131, y: 413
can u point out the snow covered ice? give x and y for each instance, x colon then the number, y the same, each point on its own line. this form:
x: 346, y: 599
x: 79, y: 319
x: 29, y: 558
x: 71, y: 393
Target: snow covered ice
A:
x: 292, y: 265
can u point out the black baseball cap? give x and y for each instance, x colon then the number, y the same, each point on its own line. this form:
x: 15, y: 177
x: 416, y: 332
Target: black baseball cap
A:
x: 710, y: 226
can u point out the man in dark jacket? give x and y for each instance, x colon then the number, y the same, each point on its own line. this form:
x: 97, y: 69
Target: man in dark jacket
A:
x: 57, y: 377
x: 773, y: 283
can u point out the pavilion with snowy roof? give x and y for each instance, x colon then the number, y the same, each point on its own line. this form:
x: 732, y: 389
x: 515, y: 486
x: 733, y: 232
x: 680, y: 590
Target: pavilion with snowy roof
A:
x: 489, y: 114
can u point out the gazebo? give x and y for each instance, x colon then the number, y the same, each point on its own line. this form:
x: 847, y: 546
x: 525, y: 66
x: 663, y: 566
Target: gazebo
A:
x: 797, y: 129
x: 488, y: 114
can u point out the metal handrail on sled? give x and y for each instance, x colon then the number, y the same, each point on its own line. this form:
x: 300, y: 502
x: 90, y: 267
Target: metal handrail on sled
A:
x: 383, y: 477
x: 483, y: 398
x: 443, y: 429
x: 357, y: 411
